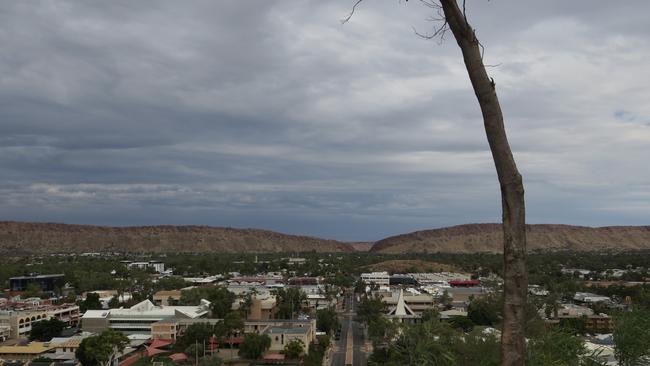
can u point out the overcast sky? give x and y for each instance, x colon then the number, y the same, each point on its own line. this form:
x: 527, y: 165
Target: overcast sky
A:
x: 272, y: 114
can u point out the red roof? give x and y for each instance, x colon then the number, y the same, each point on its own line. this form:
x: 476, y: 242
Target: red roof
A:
x: 154, y: 351
x: 178, y: 357
x: 157, y: 343
x: 274, y: 357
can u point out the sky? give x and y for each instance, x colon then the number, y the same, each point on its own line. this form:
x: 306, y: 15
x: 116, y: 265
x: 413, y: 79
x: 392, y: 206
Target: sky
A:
x: 275, y: 115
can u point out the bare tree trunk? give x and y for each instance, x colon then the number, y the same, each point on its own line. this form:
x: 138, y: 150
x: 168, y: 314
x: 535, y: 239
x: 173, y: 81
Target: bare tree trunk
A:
x: 512, y: 188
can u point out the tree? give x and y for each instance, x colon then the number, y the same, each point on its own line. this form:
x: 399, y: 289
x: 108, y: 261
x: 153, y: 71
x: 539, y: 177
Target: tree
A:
x: 510, y: 180
x: 512, y: 187
x: 197, y: 332
x: 33, y: 290
x: 632, y: 337
x: 210, y: 361
x: 100, y: 350
x: 294, y: 349
x: 326, y: 320
x: 45, y: 330
x: 114, y: 302
x: 289, y: 302
x: 485, y: 310
x: 91, y: 303
x: 233, y: 323
x: 195, y: 351
x: 555, y: 348
x: 254, y: 345
x: 370, y: 309
x: 220, y: 301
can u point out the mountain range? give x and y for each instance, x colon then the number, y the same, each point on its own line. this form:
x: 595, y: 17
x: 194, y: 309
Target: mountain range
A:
x: 22, y: 238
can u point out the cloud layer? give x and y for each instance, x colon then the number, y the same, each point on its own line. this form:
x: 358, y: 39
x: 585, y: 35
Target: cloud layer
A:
x: 274, y: 115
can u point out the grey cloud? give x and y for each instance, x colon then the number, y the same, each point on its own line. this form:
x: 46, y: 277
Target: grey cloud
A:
x: 275, y: 115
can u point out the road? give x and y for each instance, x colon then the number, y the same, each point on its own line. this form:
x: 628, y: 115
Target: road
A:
x: 349, y: 350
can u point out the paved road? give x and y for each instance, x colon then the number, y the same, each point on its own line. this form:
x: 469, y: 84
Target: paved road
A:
x: 349, y: 349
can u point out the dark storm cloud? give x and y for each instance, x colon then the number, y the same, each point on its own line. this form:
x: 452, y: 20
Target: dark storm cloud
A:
x: 274, y: 115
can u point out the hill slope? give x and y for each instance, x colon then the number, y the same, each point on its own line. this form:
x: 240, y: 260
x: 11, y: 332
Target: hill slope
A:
x: 44, y: 238
x: 489, y: 238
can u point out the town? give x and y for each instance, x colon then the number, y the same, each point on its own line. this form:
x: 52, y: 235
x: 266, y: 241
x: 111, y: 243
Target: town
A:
x: 306, y: 308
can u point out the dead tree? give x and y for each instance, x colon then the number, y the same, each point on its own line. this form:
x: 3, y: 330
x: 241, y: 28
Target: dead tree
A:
x: 512, y: 189
x: 515, y: 275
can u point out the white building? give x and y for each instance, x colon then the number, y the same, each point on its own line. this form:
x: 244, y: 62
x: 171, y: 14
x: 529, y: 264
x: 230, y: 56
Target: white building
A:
x: 590, y: 298
x: 378, y: 278
x: 138, y: 318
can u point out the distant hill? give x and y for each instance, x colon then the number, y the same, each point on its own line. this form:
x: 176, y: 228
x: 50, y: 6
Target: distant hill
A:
x: 474, y: 238
x: 44, y: 238
x: 22, y: 238
x: 362, y: 246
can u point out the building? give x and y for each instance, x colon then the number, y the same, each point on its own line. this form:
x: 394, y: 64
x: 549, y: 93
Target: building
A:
x: 401, y: 312
x: 165, y: 297
x: 285, y: 330
x: 587, y: 297
x: 280, y: 336
x: 5, y: 332
x: 138, y: 318
x: 20, y: 319
x: 47, y: 283
x: 415, y: 301
x: 377, y: 278
x: 25, y: 352
x: 157, y: 266
x: 262, y: 307
x: 403, y: 280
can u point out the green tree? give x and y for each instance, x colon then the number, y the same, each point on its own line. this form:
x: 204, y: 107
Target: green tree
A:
x: 195, y: 351
x: 326, y: 320
x: 485, y: 310
x: 233, y: 324
x: 254, y: 345
x: 210, y: 361
x: 33, y: 290
x: 45, y: 330
x: 220, y: 301
x: 294, y: 349
x: 555, y: 347
x: 114, y: 302
x: 632, y: 337
x: 197, y: 332
x: 100, y: 350
x: 90, y: 303
x: 370, y: 309
x: 478, y: 348
x: 289, y: 302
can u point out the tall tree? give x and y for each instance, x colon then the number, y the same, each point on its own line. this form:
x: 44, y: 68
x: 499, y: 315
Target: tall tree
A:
x: 510, y: 180
x: 515, y: 277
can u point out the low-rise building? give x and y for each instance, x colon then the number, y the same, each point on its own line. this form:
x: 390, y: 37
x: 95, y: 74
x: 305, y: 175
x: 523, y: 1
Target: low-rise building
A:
x: 377, y: 278
x: 166, y: 298
x: 139, y: 318
x: 47, y: 283
x: 285, y: 330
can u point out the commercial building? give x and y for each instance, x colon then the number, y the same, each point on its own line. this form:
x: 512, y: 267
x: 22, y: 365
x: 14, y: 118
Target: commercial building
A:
x: 20, y: 317
x: 47, y: 283
x: 166, y: 298
x: 377, y: 278
x: 139, y: 318
x: 280, y: 331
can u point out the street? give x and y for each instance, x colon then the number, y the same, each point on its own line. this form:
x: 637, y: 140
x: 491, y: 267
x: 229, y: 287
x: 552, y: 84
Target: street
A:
x: 349, y: 350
